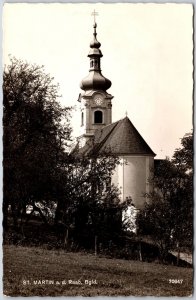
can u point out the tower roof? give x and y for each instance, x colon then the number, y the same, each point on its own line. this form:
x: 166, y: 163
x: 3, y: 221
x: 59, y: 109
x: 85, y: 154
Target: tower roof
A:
x: 95, y: 45
x: 95, y: 80
x: 121, y: 138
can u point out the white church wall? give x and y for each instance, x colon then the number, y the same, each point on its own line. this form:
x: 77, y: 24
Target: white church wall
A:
x: 149, y: 173
x: 132, y: 177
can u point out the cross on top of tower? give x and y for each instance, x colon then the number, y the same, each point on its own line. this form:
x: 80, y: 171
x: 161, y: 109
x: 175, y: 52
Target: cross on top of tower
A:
x: 94, y: 13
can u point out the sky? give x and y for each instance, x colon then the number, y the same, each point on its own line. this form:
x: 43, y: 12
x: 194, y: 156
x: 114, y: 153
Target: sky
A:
x: 147, y: 55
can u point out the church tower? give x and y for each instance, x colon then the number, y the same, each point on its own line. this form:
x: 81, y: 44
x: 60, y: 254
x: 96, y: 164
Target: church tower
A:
x: 96, y: 106
x: 133, y: 175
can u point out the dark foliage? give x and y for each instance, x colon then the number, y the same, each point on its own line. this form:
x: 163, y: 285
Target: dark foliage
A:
x: 92, y: 207
x: 36, y: 132
x: 168, y: 216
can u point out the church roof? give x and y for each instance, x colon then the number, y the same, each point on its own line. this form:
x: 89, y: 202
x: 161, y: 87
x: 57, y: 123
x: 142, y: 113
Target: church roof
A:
x: 121, y: 138
x: 95, y: 81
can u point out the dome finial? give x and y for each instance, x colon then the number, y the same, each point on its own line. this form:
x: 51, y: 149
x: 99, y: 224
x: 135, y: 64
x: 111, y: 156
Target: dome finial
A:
x: 95, y: 43
x: 94, y: 13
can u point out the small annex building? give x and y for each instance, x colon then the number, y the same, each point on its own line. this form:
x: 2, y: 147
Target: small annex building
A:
x: 99, y: 134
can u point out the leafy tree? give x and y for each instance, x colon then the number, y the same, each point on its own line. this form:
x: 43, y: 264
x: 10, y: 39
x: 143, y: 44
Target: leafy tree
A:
x: 183, y: 161
x: 183, y: 157
x: 168, y: 215
x: 36, y: 134
x: 92, y: 206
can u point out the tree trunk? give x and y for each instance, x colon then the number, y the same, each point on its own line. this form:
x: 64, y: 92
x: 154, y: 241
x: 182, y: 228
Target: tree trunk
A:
x: 66, y: 237
x: 140, y: 251
x: 178, y: 254
x: 95, y: 245
x: 5, y: 215
x: 14, y: 216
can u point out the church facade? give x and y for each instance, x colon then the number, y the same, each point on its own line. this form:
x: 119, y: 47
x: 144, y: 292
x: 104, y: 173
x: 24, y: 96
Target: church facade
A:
x: 98, y: 133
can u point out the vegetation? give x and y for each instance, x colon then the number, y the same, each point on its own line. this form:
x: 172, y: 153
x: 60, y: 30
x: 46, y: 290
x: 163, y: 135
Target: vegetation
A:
x: 36, y: 132
x: 114, y: 277
x: 72, y: 192
x: 168, y: 216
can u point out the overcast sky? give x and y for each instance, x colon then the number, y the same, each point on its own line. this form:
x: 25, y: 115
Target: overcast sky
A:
x: 147, y: 54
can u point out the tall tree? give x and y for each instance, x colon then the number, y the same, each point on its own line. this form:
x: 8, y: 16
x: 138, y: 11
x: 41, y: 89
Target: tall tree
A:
x: 183, y: 161
x: 168, y: 216
x: 36, y: 133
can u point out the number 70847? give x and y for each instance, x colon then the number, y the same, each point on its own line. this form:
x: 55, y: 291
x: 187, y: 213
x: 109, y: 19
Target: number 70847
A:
x: 176, y: 281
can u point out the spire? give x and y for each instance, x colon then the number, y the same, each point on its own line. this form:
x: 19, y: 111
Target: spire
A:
x: 95, y: 26
x: 95, y: 43
x: 95, y: 80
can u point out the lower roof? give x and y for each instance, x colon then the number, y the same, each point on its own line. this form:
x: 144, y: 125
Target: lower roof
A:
x: 120, y: 138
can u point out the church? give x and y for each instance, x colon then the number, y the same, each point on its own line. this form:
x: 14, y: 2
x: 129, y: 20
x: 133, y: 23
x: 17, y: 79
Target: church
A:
x: 99, y: 134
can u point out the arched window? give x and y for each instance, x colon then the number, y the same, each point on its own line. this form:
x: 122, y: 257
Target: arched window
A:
x: 98, y: 117
x: 82, y: 119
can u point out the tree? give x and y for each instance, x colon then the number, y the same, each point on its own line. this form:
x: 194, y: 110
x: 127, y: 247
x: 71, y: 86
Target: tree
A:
x: 36, y: 134
x: 183, y: 161
x: 183, y: 157
x: 168, y: 215
x: 91, y: 206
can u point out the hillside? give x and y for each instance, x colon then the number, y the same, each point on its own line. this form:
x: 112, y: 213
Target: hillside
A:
x: 41, y: 272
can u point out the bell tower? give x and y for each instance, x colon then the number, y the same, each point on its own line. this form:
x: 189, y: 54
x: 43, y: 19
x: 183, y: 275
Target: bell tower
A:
x: 96, y: 105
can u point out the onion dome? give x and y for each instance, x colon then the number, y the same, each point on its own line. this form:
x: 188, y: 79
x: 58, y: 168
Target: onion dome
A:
x: 95, y: 43
x: 95, y: 80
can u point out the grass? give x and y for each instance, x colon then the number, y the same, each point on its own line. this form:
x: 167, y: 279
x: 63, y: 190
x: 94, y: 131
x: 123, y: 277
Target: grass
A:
x: 112, y: 277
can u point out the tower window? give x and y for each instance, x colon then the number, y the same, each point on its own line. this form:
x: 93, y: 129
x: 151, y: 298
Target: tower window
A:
x: 98, y: 117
